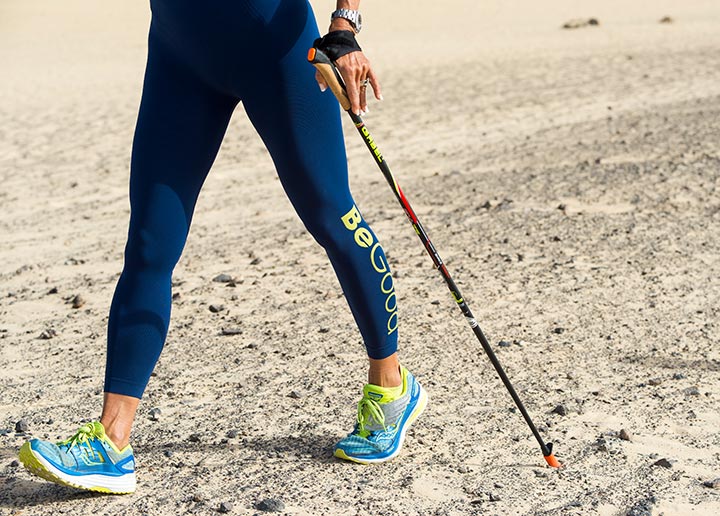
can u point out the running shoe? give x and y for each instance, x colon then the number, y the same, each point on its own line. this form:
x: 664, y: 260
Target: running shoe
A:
x: 88, y: 460
x: 382, y: 421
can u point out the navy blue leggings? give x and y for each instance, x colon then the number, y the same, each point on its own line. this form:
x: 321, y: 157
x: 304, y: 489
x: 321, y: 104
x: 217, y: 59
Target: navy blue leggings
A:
x: 204, y: 58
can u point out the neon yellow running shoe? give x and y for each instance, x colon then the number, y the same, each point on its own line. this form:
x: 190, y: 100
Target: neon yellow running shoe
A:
x: 88, y: 460
x: 382, y: 421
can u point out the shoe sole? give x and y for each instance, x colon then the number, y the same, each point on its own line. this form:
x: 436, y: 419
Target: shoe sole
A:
x: 38, y: 465
x: 419, y: 408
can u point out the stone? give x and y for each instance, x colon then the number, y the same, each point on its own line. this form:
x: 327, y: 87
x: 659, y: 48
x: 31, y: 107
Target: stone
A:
x: 22, y: 426
x: 216, y: 308
x: 231, y: 434
x: 195, y: 438
x: 504, y: 344
x: 654, y: 382
x: 663, y: 463
x: 223, y: 278
x: 77, y: 302
x: 692, y: 391
x: 712, y: 484
x: 231, y: 331
x: 493, y: 497
x: 624, y: 435
x: 558, y: 330
x: 155, y: 413
x: 666, y: 19
x: 14, y: 464
x: 560, y: 410
x: 225, y: 507
x: 679, y: 376
x: 295, y: 395
x: 48, y: 334
x: 270, y: 505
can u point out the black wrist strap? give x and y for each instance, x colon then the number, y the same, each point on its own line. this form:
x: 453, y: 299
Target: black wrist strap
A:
x: 337, y: 43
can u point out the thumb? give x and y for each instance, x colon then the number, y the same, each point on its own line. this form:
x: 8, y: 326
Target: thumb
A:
x: 321, y: 81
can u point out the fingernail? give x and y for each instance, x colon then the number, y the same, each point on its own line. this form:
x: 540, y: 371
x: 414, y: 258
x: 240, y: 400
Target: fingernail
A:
x: 381, y: 97
x: 367, y: 110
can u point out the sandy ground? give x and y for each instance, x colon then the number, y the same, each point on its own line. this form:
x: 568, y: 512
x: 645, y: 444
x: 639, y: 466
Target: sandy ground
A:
x: 568, y: 177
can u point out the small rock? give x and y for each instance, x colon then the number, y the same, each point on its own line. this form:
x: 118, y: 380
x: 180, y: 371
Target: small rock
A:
x: 198, y: 498
x: 77, y: 302
x: 560, y: 410
x: 498, y: 485
x: 663, y: 463
x: 232, y: 434
x: 712, y: 484
x: 504, y: 344
x: 654, y: 381
x: 155, y: 413
x: 679, y: 376
x: 231, y: 331
x: 270, y: 505
x: 22, y: 426
x: 624, y: 435
x: 666, y: 19
x: 578, y: 23
x: 462, y: 468
x: 255, y: 261
x: 223, y: 278
x: 642, y: 508
x: 53, y: 290
x: 323, y: 330
x: 493, y: 497
x: 225, y: 507
x: 558, y: 330
x: 295, y: 395
x: 195, y: 438
x: 48, y: 334
x: 692, y: 391
x: 168, y: 453
x: 14, y: 464
x: 216, y: 308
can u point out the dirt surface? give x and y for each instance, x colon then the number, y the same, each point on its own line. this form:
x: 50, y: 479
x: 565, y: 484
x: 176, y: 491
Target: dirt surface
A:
x: 572, y: 191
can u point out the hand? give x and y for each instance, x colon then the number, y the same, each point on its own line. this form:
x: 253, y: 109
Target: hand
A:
x: 354, y: 68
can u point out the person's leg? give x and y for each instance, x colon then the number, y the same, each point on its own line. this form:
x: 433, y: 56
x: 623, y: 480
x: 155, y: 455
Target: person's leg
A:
x: 180, y: 126
x: 301, y: 128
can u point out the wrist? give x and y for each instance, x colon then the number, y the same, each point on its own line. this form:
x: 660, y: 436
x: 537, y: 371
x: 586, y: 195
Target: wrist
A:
x: 341, y: 24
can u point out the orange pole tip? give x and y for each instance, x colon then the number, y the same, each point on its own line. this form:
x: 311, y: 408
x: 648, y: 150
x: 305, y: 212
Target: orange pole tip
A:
x: 311, y: 55
x: 552, y: 461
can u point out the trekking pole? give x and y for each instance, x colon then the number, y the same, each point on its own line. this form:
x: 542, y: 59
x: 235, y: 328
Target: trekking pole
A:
x: 333, y: 79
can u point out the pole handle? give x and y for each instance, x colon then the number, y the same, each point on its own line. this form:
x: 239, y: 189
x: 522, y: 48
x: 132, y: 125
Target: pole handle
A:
x: 332, y: 77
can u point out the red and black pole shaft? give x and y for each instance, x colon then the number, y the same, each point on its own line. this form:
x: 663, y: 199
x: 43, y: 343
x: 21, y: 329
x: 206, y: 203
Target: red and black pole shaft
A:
x: 335, y: 82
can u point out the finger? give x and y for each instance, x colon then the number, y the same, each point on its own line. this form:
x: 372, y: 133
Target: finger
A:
x: 321, y: 81
x: 352, y: 87
x: 375, y: 83
x: 363, y: 98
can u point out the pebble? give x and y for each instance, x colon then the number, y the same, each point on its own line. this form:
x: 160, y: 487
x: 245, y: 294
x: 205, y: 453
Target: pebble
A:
x: 225, y: 507
x: 22, y: 426
x: 493, y: 497
x: 223, y: 278
x: 270, y: 505
x: 558, y: 330
x: 231, y: 434
x: 679, y: 376
x: 53, y: 290
x: 14, y: 464
x: 654, y: 381
x: 578, y: 23
x: 77, y: 302
x: 692, y: 391
x: 624, y: 435
x: 663, y: 463
x: 231, y: 331
x: 712, y: 484
x: 560, y: 410
x: 216, y: 308
x: 168, y: 453
x: 295, y: 395
x: 155, y: 413
x: 642, y: 508
x: 666, y: 19
x: 195, y: 438
x: 504, y: 344
x: 498, y: 485
x: 48, y: 334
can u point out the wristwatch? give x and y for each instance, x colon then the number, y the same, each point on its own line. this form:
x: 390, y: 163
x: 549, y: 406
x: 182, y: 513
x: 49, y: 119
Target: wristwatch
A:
x: 354, y: 17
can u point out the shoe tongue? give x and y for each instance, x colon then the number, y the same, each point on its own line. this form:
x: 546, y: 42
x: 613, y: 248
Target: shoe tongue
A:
x: 380, y: 394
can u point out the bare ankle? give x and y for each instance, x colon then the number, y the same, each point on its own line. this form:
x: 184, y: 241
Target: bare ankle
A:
x: 385, y: 372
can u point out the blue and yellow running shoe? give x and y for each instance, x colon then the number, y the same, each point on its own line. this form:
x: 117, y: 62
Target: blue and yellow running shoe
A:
x: 88, y: 460
x: 383, y: 418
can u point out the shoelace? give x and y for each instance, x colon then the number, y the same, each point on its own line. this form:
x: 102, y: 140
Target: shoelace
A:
x: 374, y: 413
x: 82, y: 436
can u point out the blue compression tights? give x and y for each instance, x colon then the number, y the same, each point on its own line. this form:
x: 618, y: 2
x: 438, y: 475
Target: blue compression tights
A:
x: 204, y: 58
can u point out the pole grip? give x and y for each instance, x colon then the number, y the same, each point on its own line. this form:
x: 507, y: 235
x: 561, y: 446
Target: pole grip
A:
x: 332, y: 77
